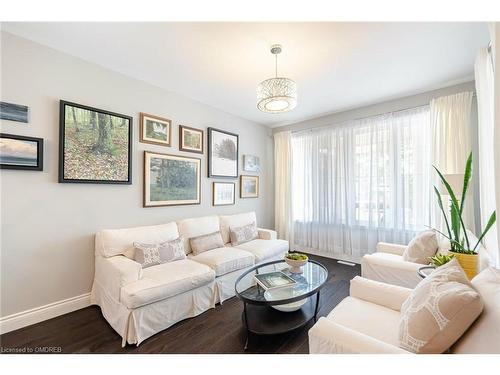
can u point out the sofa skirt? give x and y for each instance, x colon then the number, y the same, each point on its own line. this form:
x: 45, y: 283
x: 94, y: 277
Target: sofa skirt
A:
x: 225, y: 284
x: 136, y: 325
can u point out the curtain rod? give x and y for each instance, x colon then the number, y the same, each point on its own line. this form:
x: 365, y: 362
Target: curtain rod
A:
x: 362, y: 118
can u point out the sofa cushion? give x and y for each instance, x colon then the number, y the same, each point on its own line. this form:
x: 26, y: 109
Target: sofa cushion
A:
x: 147, y: 255
x: 243, y: 234
x: 111, y: 242
x: 238, y: 220
x: 359, y: 316
x: 264, y: 249
x: 483, y: 337
x: 151, y: 254
x: 225, y: 259
x: 423, y: 246
x: 205, y: 242
x: 439, y: 310
x: 164, y: 281
x: 198, y: 226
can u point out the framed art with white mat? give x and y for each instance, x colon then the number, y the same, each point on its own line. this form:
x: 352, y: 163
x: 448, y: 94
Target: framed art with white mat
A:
x: 222, y: 153
x: 223, y: 193
x: 249, y: 186
x: 171, y: 180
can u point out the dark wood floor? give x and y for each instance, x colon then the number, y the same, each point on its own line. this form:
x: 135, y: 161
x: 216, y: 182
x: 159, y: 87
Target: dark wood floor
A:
x: 218, y: 330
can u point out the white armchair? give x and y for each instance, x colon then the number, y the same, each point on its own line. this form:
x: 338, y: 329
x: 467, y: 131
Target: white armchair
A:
x: 387, y: 265
x: 365, y: 322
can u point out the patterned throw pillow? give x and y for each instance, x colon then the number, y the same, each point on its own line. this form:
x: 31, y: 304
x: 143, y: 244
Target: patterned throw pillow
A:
x: 243, y: 234
x: 422, y: 247
x: 152, y: 254
x: 439, y: 310
x: 206, y: 242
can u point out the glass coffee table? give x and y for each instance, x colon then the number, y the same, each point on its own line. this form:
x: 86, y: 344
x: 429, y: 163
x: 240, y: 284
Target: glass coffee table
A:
x: 425, y: 271
x: 283, y: 309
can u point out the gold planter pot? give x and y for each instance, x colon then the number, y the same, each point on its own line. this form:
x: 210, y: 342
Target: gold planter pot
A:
x: 469, y: 263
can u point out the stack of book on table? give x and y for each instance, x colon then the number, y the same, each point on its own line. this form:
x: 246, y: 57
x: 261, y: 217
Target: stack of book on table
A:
x: 274, y: 280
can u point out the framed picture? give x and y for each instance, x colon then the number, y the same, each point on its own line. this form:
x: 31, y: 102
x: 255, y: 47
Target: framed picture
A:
x: 13, y: 112
x: 95, y: 146
x: 190, y: 139
x: 222, y: 153
x: 223, y: 193
x: 19, y: 152
x: 155, y: 130
x: 251, y: 163
x: 171, y: 180
x: 249, y: 186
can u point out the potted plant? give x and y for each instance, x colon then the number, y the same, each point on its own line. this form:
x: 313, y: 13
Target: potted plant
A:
x: 439, y: 259
x: 462, y: 249
x: 295, y: 261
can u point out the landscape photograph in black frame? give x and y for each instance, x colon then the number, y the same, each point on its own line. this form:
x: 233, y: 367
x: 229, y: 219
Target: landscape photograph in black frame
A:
x: 20, y: 152
x: 222, y: 153
x: 95, y: 146
x: 13, y: 112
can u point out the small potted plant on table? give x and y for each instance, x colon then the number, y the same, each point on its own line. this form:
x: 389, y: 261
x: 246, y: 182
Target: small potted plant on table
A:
x: 295, y: 261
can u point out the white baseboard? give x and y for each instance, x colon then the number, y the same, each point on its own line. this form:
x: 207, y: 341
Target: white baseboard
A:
x: 346, y: 263
x: 347, y: 258
x: 41, y: 313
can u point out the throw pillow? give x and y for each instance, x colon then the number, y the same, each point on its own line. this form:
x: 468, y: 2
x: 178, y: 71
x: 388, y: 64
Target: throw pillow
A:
x: 206, y: 242
x: 243, y: 234
x: 152, y: 254
x: 439, y: 310
x: 421, y: 248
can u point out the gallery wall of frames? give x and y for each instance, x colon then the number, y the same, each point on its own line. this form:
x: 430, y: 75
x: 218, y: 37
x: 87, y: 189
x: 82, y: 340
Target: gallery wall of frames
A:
x: 73, y: 168
x: 95, y: 146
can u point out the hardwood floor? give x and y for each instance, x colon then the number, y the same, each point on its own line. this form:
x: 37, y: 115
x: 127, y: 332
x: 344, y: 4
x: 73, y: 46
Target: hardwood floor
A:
x: 219, y: 330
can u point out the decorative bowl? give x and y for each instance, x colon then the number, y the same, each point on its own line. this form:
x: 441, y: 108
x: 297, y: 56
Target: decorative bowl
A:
x: 282, y: 293
x: 296, y: 263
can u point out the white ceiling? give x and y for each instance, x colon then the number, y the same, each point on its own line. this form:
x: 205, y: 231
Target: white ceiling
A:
x: 337, y: 66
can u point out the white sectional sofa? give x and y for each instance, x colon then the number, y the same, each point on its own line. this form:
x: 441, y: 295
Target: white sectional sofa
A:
x: 139, y: 302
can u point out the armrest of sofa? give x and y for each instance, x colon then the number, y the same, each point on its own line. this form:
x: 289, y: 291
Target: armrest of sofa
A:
x: 391, y: 271
x: 391, y: 263
x: 391, y: 248
x: 387, y: 295
x: 115, y: 272
x: 328, y: 337
x: 267, y: 234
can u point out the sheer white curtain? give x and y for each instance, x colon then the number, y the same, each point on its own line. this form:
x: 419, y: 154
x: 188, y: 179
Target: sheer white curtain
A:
x: 361, y: 182
x: 282, y: 184
x: 484, y: 76
x: 451, y: 135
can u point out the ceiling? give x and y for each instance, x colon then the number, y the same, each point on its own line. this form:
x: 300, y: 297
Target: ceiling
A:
x: 337, y: 66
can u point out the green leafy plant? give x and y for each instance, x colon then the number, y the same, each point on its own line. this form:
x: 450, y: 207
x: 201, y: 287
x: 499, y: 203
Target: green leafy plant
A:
x: 440, y: 259
x: 459, y: 243
x: 296, y: 256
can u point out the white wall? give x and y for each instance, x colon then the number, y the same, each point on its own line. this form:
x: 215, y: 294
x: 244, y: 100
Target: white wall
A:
x: 383, y: 107
x: 48, y: 228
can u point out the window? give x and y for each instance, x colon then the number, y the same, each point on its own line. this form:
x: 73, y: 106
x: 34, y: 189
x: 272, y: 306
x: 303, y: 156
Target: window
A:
x: 369, y: 174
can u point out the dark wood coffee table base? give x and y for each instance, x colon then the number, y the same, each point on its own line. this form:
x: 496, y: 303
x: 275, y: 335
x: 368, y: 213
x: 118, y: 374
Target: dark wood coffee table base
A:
x: 265, y: 320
